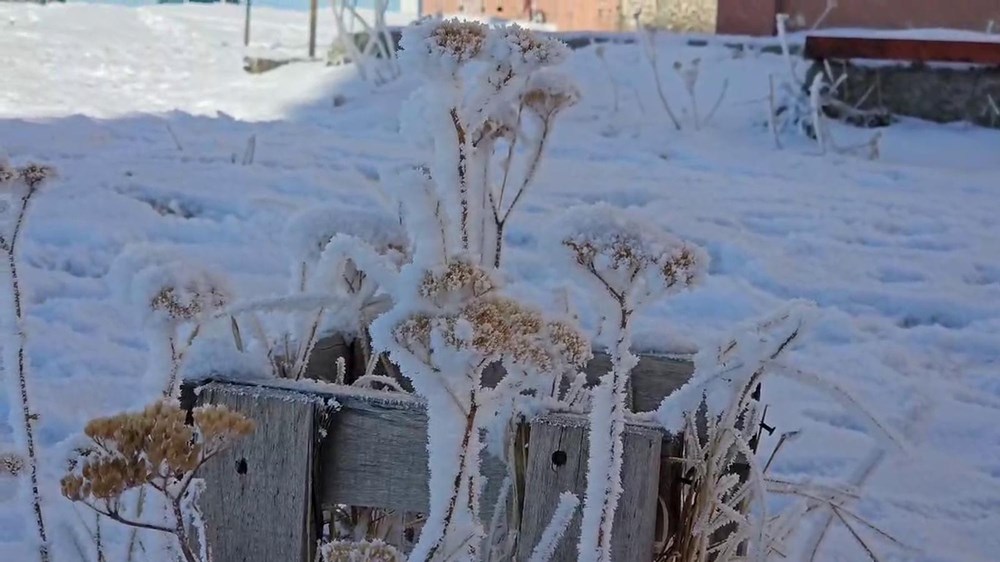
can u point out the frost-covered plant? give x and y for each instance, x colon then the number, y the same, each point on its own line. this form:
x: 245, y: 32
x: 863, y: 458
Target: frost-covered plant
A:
x: 443, y: 344
x: 719, y: 414
x: 375, y: 56
x: 18, y: 188
x: 647, y: 37
x: 632, y: 262
x: 484, y: 110
x: 803, y: 103
x: 154, y: 450
x: 360, y: 551
x: 689, y: 74
x: 321, y: 269
x: 175, y: 298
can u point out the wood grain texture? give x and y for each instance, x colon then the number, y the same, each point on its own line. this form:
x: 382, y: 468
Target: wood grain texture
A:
x: 634, y: 526
x: 375, y: 454
x: 257, y: 501
x: 653, y: 379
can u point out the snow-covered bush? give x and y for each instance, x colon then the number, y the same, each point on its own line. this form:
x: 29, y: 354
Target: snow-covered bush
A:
x: 18, y: 189
x: 153, y: 450
x: 632, y: 263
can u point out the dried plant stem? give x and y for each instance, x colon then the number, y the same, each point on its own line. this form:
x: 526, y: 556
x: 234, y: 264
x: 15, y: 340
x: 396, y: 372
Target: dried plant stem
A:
x: 464, y: 474
x: 500, y: 217
x: 650, y: 52
x: 29, y: 418
x: 463, y: 184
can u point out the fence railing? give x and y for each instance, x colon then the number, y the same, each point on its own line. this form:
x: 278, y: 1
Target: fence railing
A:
x: 317, y: 446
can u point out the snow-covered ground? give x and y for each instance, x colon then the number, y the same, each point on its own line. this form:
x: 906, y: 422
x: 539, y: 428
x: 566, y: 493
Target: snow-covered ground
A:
x: 144, y: 112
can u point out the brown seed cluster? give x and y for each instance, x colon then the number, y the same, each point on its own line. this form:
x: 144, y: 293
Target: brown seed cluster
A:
x: 528, y: 48
x: 33, y: 175
x: 462, y: 40
x: 458, y: 280
x: 131, y: 450
x: 500, y: 328
x: 625, y: 253
x: 547, y: 103
x: 363, y: 551
x: 11, y: 464
x: 189, y: 303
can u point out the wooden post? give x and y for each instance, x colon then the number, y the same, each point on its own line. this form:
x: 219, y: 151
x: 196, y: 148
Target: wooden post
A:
x: 257, y: 501
x: 557, y: 463
x: 313, y: 12
x: 246, y: 25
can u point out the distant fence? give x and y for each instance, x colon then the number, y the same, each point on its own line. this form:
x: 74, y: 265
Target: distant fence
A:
x: 298, y: 5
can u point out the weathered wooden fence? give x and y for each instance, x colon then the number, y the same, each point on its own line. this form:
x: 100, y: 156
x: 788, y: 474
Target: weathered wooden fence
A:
x: 315, y: 448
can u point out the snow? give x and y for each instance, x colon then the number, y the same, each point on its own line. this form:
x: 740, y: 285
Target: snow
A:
x: 146, y: 113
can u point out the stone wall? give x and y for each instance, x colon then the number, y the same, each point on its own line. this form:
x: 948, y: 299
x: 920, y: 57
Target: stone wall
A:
x: 942, y: 94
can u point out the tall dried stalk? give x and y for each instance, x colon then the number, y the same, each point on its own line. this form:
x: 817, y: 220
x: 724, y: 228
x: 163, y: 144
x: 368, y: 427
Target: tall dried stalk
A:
x: 24, y: 183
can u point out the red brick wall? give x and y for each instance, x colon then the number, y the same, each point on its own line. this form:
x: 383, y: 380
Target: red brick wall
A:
x: 746, y: 17
x: 567, y: 15
x: 756, y: 17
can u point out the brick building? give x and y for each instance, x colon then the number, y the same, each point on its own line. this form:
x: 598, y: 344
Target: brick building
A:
x: 745, y: 17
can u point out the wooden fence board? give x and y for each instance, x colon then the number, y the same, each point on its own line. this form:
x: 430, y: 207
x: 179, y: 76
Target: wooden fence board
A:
x: 258, y: 494
x: 557, y: 463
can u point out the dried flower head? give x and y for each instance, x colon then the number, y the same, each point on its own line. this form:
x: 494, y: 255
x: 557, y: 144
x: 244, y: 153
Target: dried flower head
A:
x: 524, y: 50
x: 133, y: 449
x: 622, y: 251
x: 458, y: 281
x: 442, y: 44
x: 363, y: 551
x: 11, y: 464
x: 548, y: 93
x: 7, y: 174
x: 498, y: 328
x: 33, y: 175
x: 189, y: 303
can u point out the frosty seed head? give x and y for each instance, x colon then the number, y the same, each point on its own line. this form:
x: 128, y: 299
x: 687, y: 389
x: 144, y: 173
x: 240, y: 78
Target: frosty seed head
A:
x: 499, y: 328
x: 35, y: 174
x: 442, y: 45
x: 188, y: 303
x: 458, y: 280
x: 524, y: 50
x: 7, y: 174
x: 132, y: 449
x: 548, y: 93
x: 621, y: 249
x: 11, y: 464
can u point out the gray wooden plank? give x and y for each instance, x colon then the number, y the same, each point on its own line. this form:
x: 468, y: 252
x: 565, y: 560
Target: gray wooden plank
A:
x: 375, y: 455
x: 258, y: 495
x: 557, y: 462
x: 653, y: 379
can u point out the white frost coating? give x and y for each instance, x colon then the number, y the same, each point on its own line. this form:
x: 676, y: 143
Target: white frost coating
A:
x: 635, y: 258
x: 142, y: 273
x: 723, y: 369
x: 440, y: 50
x: 554, y: 531
x: 311, y: 230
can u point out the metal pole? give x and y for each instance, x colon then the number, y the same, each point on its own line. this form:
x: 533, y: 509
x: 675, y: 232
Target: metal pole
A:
x: 313, y: 9
x: 246, y: 26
